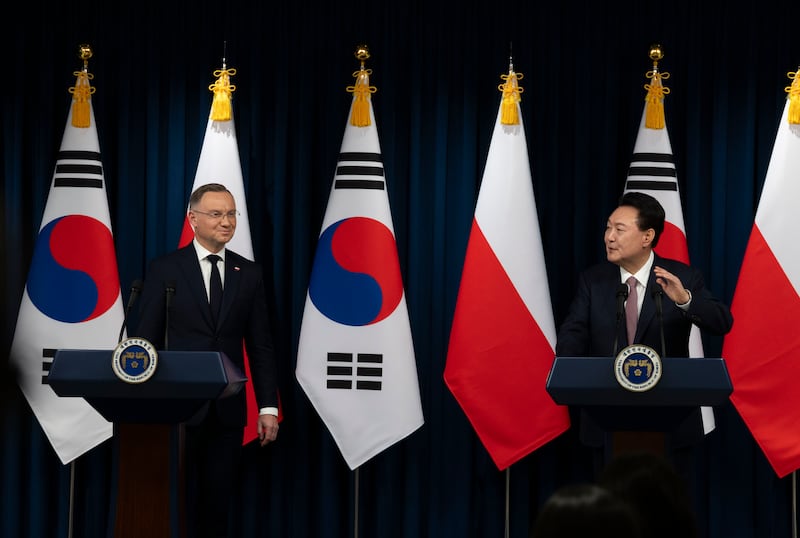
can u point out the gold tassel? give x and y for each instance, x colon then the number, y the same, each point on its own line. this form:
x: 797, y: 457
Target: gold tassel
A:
x: 794, y: 97
x: 654, y: 109
x: 509, y: 111
x: 361, y: 91
x: 82, y: 91
x: 654, y: 102
x: 222, y: 88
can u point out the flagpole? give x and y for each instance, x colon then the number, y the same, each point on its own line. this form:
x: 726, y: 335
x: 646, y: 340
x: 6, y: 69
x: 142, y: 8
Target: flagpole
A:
x: 508, y: 497
x: 355, y: 503
x: 794, y: 504
x: 71, y: 497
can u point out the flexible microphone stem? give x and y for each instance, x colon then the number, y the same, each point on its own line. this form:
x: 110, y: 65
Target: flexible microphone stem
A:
x: 136, y: 288
x: 170, y: 291
x: 660, y: 313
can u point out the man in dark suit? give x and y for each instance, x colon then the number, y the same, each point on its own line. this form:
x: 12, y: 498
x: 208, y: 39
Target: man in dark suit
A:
x: 591, y: 327
x: 214, y: 436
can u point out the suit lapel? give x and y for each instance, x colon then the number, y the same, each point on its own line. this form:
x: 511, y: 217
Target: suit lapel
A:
x: 648, y: 313
x: 233, y: 275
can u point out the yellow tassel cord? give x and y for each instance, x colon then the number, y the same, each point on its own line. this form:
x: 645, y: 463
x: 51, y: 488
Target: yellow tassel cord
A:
x: 509, y: 111
x: 794, y: 97
x: 654, y: 109
x: 82, y: 91
x: 221, y: 109
x: 361, y: 91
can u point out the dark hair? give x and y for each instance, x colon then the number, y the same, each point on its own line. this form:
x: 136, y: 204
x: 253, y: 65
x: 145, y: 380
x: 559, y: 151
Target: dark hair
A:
x: 659, y: 494
x: 198, y: 193
x: 651, y: 214
x: 581, y: 510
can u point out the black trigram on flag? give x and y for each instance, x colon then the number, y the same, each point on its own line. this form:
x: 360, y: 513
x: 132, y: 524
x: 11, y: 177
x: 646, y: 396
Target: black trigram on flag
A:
x: 78, y: 169
x: 364, y: 375
x: 359, y: 170
x: 652, y: 172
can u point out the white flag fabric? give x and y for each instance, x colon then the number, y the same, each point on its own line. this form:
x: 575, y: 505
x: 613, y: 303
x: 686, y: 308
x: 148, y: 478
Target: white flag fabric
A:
x: 72, y: 297
x: 356, y: 359
x: 219, y: 162
x: 653, y: 171
x: 502, y: 342
x: 762, y: 348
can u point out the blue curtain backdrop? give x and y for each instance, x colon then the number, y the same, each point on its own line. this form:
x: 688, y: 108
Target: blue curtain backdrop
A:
x: 436, y: 66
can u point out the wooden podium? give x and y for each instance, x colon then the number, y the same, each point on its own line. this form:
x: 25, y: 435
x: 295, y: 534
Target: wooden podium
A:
x: 638, y: 420
x: 147, y: 419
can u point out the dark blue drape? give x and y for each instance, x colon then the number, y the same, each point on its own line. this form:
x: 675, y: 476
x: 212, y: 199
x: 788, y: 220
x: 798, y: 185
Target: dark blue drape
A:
x: 436, y: 66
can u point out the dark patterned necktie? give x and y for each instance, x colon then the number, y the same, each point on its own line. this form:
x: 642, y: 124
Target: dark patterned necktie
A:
x: 215, y: 286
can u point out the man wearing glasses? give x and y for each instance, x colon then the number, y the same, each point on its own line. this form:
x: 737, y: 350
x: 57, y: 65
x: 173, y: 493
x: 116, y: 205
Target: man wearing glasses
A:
x: 217, y: 301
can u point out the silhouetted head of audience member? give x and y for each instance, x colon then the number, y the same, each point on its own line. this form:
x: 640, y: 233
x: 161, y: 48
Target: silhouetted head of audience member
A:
x: 585, y: 511
x: 658, y: 494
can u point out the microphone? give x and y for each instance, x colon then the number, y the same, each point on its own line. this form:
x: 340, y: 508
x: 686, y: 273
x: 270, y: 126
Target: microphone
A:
x: 169, y: 291
x: 622, y: 294
x: 136, y: 289
x: 658, y: 293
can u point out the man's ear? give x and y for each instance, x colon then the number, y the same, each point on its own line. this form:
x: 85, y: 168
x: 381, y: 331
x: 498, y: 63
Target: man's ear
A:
x: 649, y: 235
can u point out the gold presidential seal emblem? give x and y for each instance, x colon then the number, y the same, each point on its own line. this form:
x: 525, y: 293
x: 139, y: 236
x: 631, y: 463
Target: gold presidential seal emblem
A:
x: 134, y: 360
x: 637, y: 368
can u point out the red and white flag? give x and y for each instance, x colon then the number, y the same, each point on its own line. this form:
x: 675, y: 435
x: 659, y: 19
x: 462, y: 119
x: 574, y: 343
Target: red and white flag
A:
x: 763, y: 347
x: 356, y: 359
x: 652, y: 171
x: 72, y: 298
x: 219, y: 163
x: 502, y: 341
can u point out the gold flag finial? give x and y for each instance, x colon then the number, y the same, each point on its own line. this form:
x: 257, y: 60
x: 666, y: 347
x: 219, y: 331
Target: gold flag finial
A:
x: 794, y: 97
x: 361, y: 91
x: 82, y: 91
x: 509, y: 111
x: 654, y: 110
x: 222, y: 89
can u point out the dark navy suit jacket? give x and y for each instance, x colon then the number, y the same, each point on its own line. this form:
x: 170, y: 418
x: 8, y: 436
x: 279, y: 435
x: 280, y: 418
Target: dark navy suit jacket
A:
x: 591, y: 324
x: 243, y: 318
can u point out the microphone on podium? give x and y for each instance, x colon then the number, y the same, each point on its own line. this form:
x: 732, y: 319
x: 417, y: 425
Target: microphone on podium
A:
x: 658, y: 293
x: 169, y: 291
x: 136, y: 289
x: 622, y: 294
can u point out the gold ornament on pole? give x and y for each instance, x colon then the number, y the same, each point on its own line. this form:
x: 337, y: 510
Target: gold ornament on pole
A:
x: 654, y: 111
x: 82, y: 91
x: 221, y: 109
x: 794, y: 97
x: 509, y: 111
x: 361, y: 91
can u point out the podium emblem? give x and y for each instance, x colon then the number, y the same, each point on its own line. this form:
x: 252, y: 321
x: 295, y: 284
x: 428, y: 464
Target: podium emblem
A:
x: 637, y: 368
x: 134, y: 360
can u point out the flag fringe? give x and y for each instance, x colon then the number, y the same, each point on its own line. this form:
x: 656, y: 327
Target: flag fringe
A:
x: 509, y: 111
x: 221, y: 109
x: 794, y: 97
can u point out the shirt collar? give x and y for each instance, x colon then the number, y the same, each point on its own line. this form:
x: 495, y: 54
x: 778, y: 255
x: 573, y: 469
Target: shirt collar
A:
x: 203, y: 252
x: 643, y: 274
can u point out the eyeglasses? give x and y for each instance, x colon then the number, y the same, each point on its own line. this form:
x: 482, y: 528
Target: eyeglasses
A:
x: 217, y: 215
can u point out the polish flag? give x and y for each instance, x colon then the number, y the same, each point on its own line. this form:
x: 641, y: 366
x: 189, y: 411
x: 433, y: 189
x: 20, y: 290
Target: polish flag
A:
x: 502, y: 341
x: 762, y: 349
